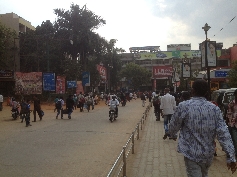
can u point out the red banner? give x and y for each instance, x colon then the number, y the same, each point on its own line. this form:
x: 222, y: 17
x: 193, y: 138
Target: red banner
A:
x: 29, y: 83
x: 60, y: 85
x: 162, y: 72
x: 79, y: 87
x: 103, y: 73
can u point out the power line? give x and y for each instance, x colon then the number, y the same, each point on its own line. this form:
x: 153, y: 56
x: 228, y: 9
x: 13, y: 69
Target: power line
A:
x: 227, y: 24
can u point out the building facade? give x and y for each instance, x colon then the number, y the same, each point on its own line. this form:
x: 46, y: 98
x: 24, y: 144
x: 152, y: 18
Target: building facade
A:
x: 19, y: 25
x: 157, y: 61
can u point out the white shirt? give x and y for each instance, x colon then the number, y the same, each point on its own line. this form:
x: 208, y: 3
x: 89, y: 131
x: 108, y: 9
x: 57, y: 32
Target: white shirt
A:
x: 62, y: 102
x: 116, y: 102
x: 168, y: 104
x: 1, y: 98
x: 153, y: 94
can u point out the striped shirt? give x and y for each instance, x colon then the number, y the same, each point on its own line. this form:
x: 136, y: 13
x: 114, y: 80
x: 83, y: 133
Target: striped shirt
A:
x: 200, y: 122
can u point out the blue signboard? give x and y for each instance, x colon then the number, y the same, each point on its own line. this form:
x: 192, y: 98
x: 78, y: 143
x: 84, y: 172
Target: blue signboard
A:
x: 221, y: 73
x: 49, y: 82
x: 71, y: 84
x: 86, y: 78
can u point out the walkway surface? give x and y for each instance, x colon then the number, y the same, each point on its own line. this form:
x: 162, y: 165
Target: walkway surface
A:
x: 156, y: 157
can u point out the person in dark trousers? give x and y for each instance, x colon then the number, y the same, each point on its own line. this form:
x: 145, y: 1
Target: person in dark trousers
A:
x: 69, y: 105
x: 81, y: 101
x: 199, y: 122
x: 37, y: 108
x: 27, y: 118
x: 156, y: 104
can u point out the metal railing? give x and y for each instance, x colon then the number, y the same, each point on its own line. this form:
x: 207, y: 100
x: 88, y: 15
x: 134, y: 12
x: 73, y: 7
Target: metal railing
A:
x: 120, y: 164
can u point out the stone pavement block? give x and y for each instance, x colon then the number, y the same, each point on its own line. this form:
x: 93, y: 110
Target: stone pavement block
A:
x: 159, y: 157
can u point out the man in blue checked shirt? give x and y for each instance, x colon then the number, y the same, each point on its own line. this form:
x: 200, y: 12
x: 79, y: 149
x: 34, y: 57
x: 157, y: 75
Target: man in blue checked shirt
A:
x: 200, y: 122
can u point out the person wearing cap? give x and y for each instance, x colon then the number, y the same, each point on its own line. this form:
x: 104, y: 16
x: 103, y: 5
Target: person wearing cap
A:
x: 200, y: 122
x: 232, y: 120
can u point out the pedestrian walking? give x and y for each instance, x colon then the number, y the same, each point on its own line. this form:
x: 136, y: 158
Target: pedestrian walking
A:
x: 75, y: 99
x: 232, y: 120
x: 27, y: 113
x: 200, y: 122
x: 59, y: 107
x: 143, y: 98
x: 55, y: 101
x: 37, y: 108
x: 156, y: 104
x: 167, y: 106
x: 69, y: 105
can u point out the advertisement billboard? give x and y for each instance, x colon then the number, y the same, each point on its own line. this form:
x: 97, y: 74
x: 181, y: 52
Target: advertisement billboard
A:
x: 178, y: 47
x: 71, y: 84
x: 79, y: 87
x: 162, y: 72
x: 49, y: 82
x: 186, y: 70
x: 103, y: 73
x: 28, y: 83
x: 86, y: 78
x: 211, y: 53
x: 60, y: 85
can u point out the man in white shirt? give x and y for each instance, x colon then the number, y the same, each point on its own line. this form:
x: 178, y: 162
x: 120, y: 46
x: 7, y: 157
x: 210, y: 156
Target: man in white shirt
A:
x: 168, y: 105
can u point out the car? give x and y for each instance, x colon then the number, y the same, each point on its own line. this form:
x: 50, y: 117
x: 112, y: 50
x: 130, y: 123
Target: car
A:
x: 161, y: 55
x: 217, y: 96
x: 227, y: 98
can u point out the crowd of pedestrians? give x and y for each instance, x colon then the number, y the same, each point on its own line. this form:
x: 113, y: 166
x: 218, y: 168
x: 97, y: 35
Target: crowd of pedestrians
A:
x: 199, y: 123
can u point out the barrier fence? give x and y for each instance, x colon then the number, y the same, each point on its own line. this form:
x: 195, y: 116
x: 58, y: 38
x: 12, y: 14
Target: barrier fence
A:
x: 120, y: 163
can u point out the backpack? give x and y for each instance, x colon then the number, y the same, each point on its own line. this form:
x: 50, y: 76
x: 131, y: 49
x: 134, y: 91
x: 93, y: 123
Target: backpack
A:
x: 156, y: 101
x: 24, y: 108
x: 58, y: 104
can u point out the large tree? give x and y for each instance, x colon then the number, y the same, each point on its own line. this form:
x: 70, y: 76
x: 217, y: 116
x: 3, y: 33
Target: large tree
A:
x: 78, y: 25
x: 7, y: 47
x: 136, y: 75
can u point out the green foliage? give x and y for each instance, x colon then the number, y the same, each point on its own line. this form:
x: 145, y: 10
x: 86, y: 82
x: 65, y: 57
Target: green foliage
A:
x: 70, y: 46
x: 136, y: 75
x: 7, y: 48
x: 232, y: 75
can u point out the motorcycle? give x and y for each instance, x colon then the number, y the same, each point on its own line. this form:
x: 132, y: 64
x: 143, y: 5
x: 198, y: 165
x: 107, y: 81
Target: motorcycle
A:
x: 112, y: 116
x: 15, y: 113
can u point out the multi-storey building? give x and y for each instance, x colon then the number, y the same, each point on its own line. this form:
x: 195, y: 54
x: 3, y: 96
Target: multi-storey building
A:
x: 157, y: 61
x: 19, y: 25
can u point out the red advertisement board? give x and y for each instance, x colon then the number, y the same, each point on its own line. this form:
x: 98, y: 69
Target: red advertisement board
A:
x: 103, y: 73
x: 162, y: 72
x: 60, y: 84
x: 79, y: 87
x: 28, y: 83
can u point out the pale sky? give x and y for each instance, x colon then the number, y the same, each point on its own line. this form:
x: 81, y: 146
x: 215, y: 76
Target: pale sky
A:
x: 138, y: 23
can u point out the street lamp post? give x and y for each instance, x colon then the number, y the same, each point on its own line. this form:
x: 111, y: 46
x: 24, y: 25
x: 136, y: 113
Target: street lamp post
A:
x: 206, y: 28
x: 186, y: 61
